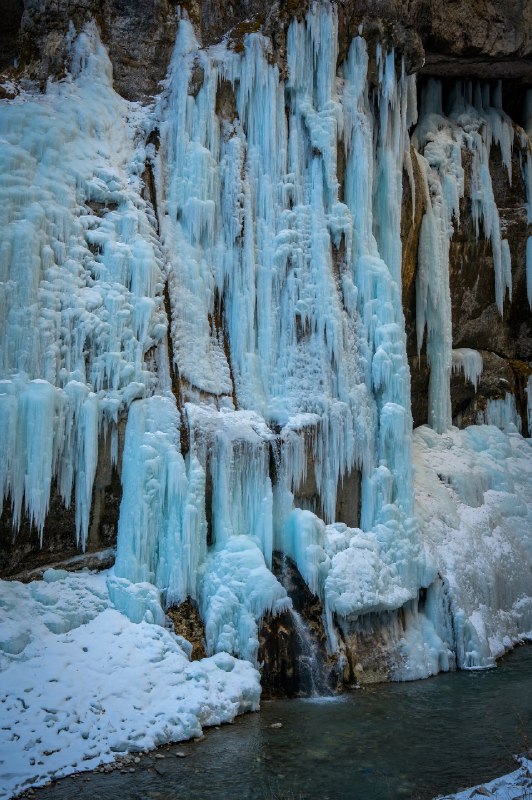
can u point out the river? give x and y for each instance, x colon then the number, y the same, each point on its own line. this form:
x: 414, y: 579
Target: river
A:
x: 392, y: 741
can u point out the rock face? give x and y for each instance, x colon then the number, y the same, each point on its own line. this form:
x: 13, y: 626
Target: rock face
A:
x: 286, y: 671
x: 187, y: 623
x: 139, y: 34
x: 481, y: 39
x: 504, y: 341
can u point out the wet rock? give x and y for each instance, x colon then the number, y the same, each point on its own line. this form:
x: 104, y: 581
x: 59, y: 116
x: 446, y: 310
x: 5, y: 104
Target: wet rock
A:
x: 284, y: 672
x: 188, y: 624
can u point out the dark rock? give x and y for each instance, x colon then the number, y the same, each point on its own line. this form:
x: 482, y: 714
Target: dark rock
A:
x: 188, y: 624
x: 22, y: 551
x: 485, y: 39
x: 12, y: 11
x: 476, y: 319
x: 283, y: 671
x: 139, y: 34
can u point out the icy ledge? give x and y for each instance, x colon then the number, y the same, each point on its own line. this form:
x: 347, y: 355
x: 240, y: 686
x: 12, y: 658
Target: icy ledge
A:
x: 81, y: 683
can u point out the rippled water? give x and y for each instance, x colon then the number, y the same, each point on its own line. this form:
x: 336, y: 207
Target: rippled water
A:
x: 407, y: 740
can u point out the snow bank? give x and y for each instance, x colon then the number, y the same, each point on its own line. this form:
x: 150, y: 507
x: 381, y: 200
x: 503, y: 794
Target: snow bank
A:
x: 80, y: 683
x: 516, y: 785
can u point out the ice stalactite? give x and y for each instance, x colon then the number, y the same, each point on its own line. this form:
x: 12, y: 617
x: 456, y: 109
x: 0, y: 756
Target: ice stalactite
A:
x: 162, y: 530
x: 296, y: 260
x: 79, y: 284
x: 469, y: 363
x: 474, y: 121
x: 236, y: 587
x: 267, y: 250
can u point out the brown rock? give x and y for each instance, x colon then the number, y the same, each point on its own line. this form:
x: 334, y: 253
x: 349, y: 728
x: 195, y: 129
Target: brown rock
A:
x: 22, y: 550
x: 188, y: 624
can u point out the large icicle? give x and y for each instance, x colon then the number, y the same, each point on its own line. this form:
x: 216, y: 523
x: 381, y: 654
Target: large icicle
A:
x: 162, y: 532
x: 306, y: 285
x: 79, y: 281
x: 475, y: 121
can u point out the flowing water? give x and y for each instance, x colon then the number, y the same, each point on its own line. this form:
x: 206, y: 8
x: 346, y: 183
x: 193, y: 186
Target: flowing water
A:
x: 393, y: 741
x: 313, y: 677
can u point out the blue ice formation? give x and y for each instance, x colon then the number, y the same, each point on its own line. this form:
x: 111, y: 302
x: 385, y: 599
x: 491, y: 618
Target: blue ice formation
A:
x: 278, y: 243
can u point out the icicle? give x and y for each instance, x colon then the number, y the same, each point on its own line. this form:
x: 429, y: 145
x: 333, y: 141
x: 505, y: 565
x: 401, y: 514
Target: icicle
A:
x: 79, y: 281
x: 162, y: 532
x: 502, y: 413
x: 469, y: 362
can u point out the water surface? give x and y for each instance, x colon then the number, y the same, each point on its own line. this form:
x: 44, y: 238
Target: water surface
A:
x: 393, y: 741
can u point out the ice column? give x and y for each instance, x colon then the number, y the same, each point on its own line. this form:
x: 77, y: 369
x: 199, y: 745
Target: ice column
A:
x: 475, y: 120
x: 373, y: 188
x: 79, y: 282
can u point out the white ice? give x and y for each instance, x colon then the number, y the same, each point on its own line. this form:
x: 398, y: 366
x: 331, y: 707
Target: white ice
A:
x: 474, y: 503
x: 81, y: 683
x: 513, y: 786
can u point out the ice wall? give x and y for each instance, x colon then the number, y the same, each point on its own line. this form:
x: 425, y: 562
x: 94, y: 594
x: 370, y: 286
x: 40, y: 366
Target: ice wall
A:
x: 473, y: 122
x: 282, y: 371
x: 285, y: 290
x: 80, y: 282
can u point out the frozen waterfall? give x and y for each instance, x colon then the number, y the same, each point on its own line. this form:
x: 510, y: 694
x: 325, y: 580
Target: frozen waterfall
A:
x: 267, y: 406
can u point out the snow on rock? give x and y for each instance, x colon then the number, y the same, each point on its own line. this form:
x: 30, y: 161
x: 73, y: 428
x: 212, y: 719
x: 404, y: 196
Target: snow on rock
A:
x: 81, y: 683
x: 474, y: 503
x: 515, y: 785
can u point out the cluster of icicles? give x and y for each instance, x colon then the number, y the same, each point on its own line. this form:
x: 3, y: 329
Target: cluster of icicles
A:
x: 279, y: 204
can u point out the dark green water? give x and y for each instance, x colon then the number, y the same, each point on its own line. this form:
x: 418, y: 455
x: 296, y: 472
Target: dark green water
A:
x: 408, y: 740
